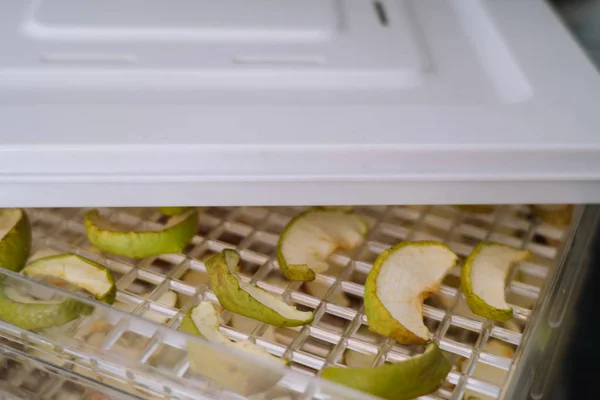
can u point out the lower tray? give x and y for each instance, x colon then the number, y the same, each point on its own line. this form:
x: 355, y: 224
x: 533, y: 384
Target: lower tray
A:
x: 132, y: 347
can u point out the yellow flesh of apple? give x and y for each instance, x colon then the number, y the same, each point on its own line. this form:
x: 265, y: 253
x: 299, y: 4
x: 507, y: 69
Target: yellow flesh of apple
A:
x: 488, y: 273
x: 312, y: 238
x: 408, y: 273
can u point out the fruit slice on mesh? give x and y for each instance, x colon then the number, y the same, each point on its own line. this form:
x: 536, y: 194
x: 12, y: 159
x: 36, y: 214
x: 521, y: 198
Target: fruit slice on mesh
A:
x: 247, y: 299
x: 75, y: 270
x: 235, y: 373
x: 311, y: 237
x: 483, y: 279
x: 175, y: 235
x: 47, y: 309
x: 15, y: 238
x: 400, y: 279
x: 414, y: 377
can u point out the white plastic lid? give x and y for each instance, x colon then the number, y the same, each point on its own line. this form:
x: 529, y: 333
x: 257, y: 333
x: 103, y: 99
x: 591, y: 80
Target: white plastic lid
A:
x: 148, y: 102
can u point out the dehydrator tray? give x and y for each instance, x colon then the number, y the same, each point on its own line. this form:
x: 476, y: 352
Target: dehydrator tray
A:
x: 133, y: 350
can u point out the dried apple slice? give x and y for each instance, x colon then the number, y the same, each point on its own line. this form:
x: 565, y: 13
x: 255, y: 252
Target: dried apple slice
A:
x: 408, y: 379
x: 27, y: 312
x: 311, y: 237
x: 483, y: 279
x: 235, y: 373
x: 401, y: 278
x: 15, y: 238
x: 76, y: 270
x: 176, y: 234
x: 249, y: 300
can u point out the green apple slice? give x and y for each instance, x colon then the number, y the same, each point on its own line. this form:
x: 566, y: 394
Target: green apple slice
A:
x: 311, y: 237
x: 28, y: 313
x: 171, y: 211
x: 408, y: 379
x: 15, y: 238
x: 400, y: 279
x: 483, y: 279
x: 249, y: 300
x: 79, y: 271
x: 177, y: 233
x: 234, y: 373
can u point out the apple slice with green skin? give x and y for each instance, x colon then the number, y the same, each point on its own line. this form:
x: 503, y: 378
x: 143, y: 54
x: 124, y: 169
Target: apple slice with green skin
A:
x: 400, y: 279
x: 15, y: 238
x: 78, y: 271
x: 408, y: 379
x: 176, y: 234
x: 28, y: 313
x: 483, y: 279
x: 311, y: 237
x: 249, y: 300
x: 234, y: 373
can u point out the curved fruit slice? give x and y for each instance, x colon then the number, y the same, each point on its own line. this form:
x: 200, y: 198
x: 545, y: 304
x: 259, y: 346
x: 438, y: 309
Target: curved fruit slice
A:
x: 483, y: 278
x: 235, y: 373
x: 78, y: 271
x: 249, y: 300
x: 170, y: 211
x: 176, y: 234
x: 408, y: 379
x: 28, y: 313
x: 401, y: 278
x: 311, y: 237
x: 15, y: 238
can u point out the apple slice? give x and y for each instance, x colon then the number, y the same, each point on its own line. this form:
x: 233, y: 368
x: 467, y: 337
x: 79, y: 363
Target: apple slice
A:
x: 483, y: 279
x: 400, y: 279
x: 249, y: 300
x: 234, y: 373
x: 176, y: 234
x: 15, y: 238
x: 311, y: 237
x: 76, y: 270
x: 27, y: 312
x: 405, y: 380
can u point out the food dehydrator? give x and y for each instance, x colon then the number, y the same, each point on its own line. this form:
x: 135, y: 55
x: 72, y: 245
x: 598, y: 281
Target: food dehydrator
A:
x: 411, y: 112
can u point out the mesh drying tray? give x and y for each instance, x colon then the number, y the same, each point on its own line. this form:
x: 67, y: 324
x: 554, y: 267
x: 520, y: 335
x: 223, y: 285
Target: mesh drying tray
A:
x: 133, y: 350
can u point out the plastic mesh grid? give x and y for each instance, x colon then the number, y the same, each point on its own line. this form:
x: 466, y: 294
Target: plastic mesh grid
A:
x: 338, y: 334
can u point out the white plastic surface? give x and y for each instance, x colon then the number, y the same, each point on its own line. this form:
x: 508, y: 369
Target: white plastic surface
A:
x: 147, y: 102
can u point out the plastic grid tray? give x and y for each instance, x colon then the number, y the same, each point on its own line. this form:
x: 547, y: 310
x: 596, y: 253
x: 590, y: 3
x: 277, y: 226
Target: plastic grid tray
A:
x: 340, y: 325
